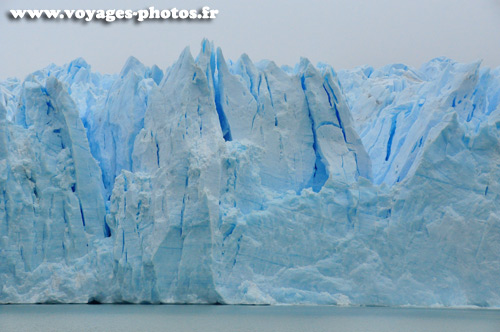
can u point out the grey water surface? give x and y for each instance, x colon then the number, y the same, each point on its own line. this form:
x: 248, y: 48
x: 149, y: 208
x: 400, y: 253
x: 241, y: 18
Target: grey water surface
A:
x: 200, y: 318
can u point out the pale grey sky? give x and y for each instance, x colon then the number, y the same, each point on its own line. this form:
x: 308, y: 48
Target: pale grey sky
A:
x: 343, y: 33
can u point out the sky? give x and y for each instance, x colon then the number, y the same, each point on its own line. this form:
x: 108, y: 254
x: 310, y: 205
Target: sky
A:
x: 343, y: 33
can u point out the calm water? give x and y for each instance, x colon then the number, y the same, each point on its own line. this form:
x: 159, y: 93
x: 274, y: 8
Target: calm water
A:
x: 178, y: 318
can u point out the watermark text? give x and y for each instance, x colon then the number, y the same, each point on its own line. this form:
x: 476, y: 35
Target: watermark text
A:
x: 111, y: 15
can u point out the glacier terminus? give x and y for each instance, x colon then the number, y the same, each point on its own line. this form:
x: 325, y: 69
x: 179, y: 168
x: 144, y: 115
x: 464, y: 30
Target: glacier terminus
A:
x: 215, y: 181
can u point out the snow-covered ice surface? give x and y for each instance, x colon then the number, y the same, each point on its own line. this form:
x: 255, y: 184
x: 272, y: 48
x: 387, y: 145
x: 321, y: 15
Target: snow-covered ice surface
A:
x: 232, y: 182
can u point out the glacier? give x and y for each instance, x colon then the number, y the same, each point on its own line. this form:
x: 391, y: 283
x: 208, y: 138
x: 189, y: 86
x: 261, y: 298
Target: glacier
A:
x: 215, y: 181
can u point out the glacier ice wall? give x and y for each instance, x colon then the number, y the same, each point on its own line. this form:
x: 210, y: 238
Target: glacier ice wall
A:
x: 233, y: 182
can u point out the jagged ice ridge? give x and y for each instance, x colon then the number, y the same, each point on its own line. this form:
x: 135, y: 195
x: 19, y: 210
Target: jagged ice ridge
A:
x: 232, y: 182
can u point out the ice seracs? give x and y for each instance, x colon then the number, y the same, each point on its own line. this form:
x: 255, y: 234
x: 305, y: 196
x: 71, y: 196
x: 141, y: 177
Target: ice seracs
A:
x: 235, y: 182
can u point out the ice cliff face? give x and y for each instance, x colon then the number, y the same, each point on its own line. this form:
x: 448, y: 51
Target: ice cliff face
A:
x: 215, y: 181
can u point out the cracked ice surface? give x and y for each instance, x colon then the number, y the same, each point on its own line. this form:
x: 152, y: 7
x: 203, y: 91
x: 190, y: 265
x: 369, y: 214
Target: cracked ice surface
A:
x: 234, y: 182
